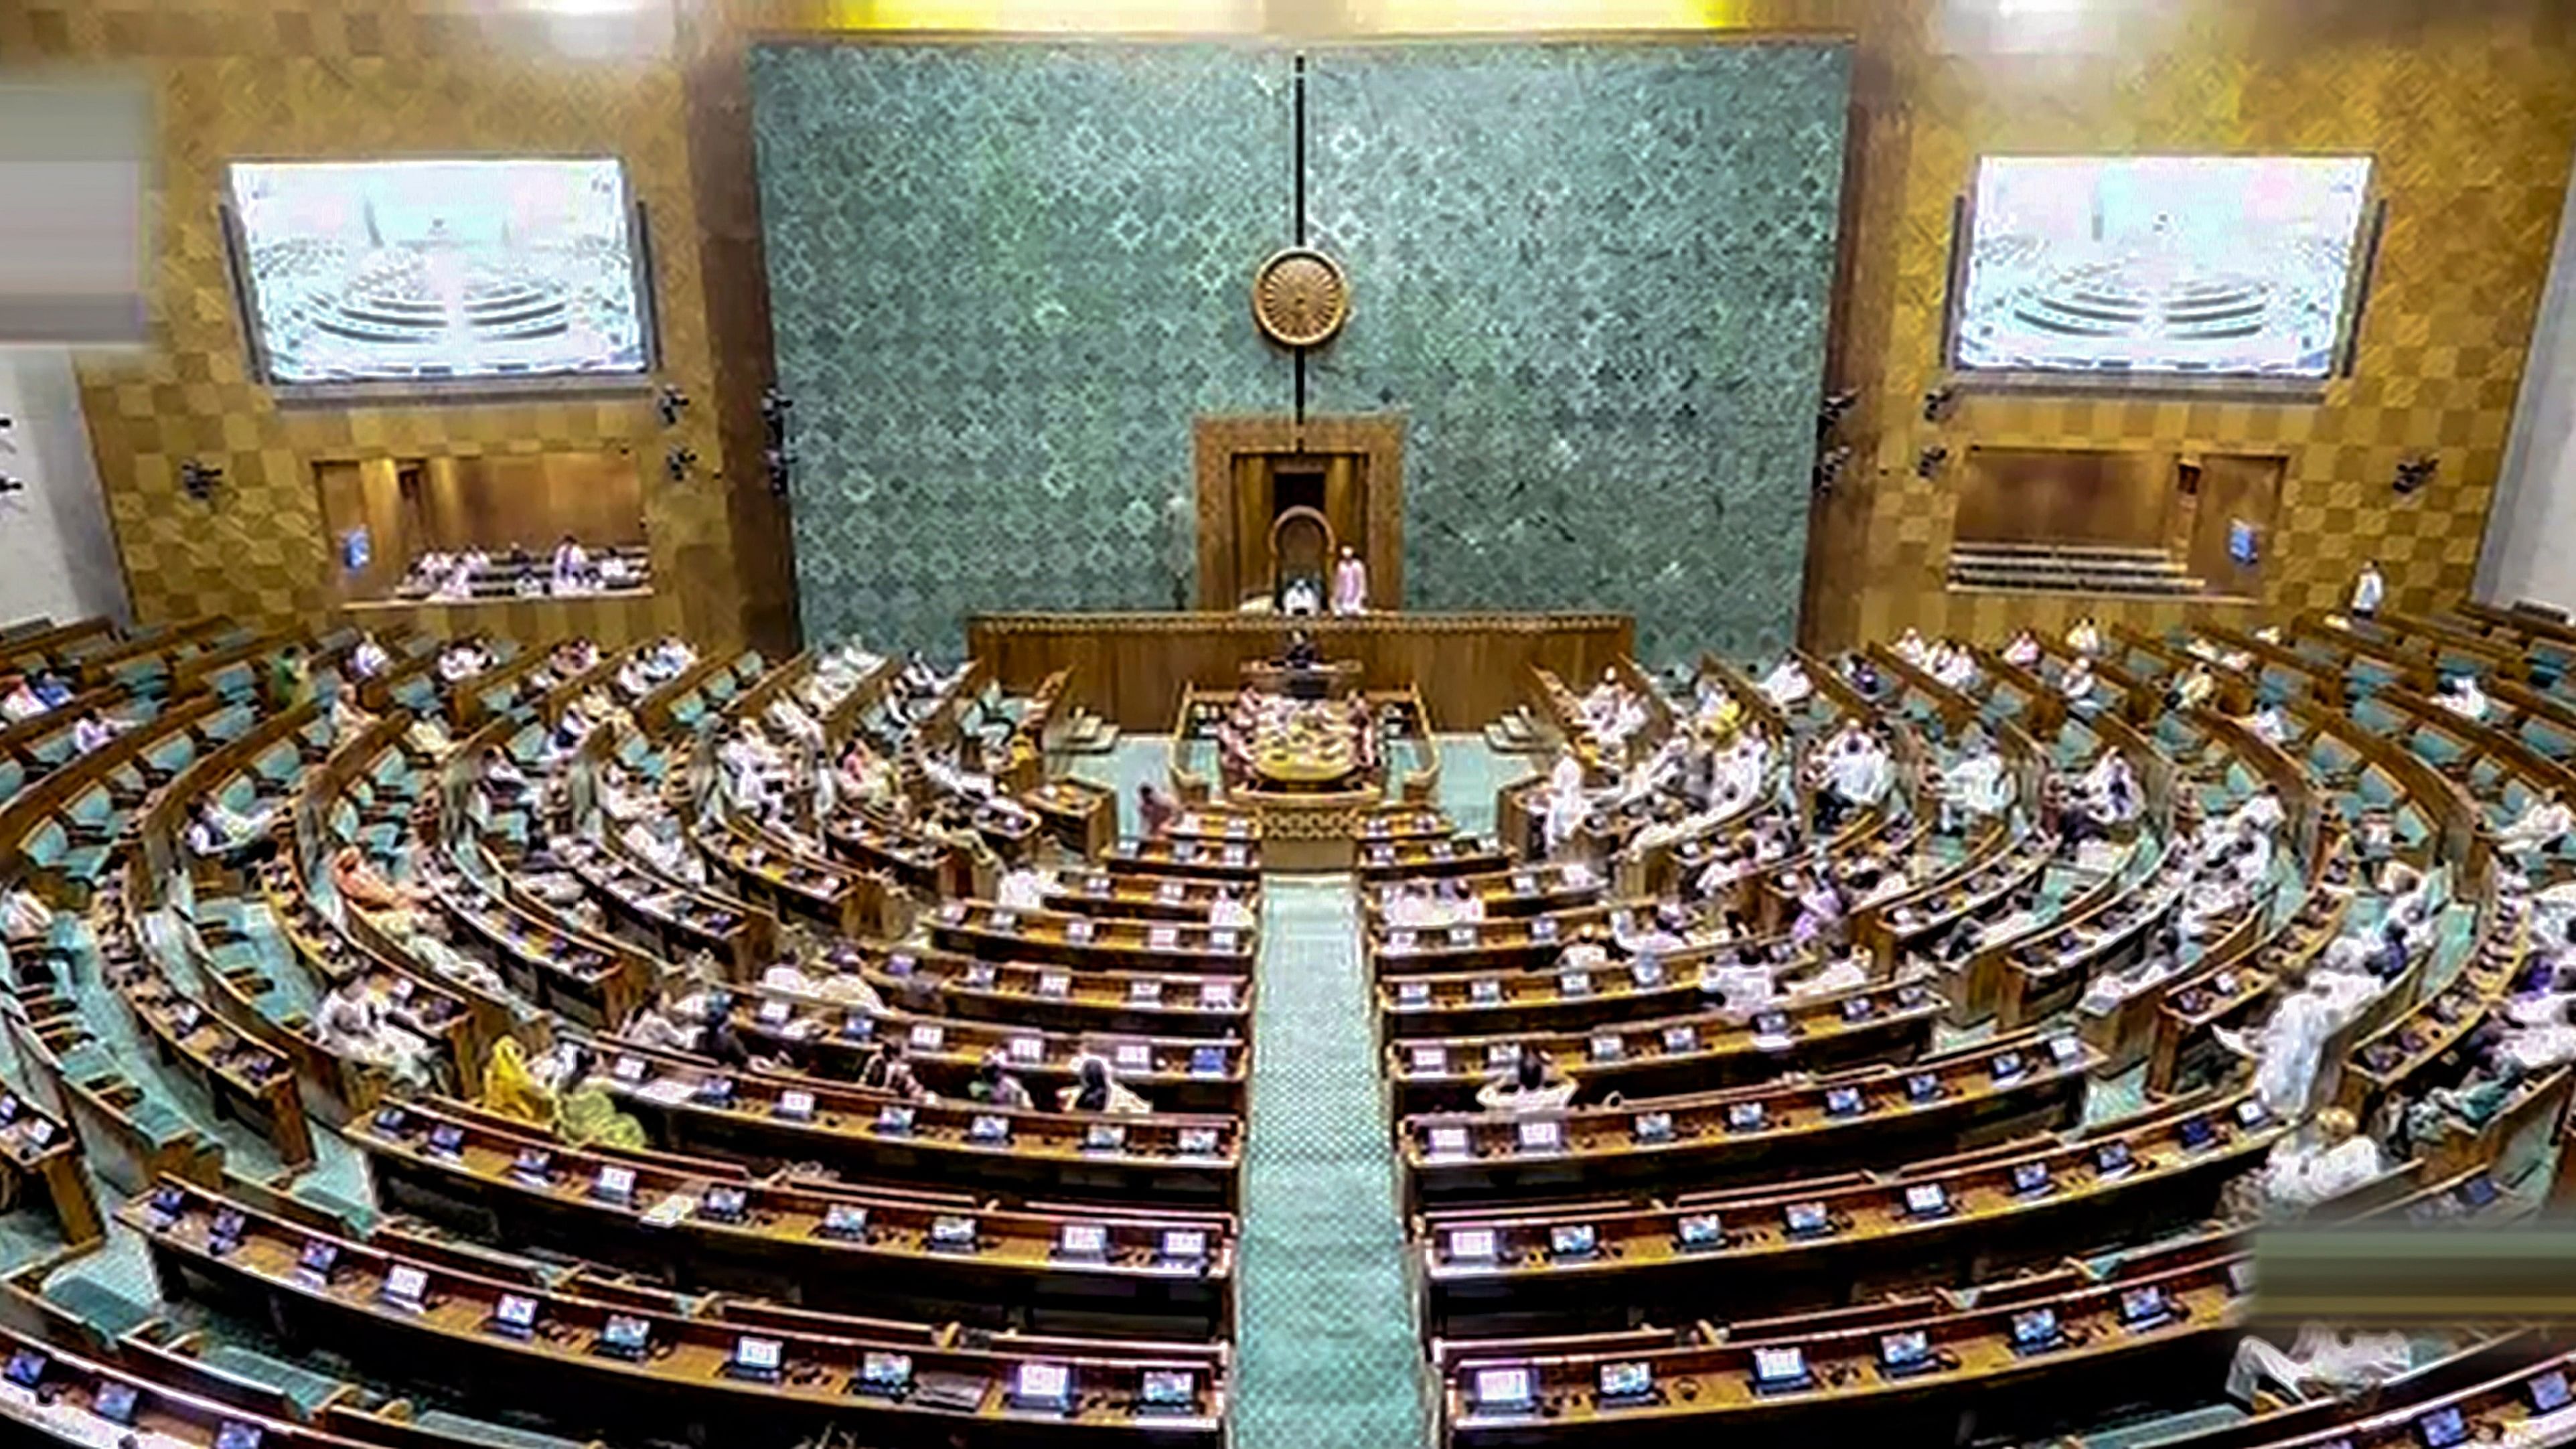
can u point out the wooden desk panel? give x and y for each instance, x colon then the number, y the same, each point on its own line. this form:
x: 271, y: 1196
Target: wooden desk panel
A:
x: 1131, y: 668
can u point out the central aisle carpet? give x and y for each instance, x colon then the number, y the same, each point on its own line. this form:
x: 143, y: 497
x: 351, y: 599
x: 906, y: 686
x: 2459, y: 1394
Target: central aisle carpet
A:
x: 1329, y: 1349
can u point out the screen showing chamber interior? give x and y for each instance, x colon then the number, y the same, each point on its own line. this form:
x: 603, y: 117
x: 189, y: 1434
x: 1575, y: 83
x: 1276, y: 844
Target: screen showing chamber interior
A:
x: 2233, y: 266
x: 440, y: 271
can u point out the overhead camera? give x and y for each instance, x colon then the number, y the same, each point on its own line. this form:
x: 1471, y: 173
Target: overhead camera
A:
x: 778, y: 462
x: 1939, y: 403
x: 1829, y: 468
x: 199, y: 480
x: 1931, y: 461
x: 670, y: 402
x: 2414, y: 473
x: 678, y: 461
x: 1836, y: 407
x: 9, y: 485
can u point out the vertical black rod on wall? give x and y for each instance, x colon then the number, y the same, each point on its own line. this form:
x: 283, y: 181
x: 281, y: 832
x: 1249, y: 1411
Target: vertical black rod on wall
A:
x: 1297, y: 150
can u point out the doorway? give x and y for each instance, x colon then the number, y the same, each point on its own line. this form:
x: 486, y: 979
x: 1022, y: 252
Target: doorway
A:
x: 1277, y: 499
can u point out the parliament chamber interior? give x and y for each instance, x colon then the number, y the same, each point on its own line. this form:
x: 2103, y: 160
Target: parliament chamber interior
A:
x: 1291, y: 724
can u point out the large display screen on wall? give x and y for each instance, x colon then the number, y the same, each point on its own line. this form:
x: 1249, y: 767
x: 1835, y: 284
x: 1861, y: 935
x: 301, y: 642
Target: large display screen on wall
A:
x: 2160, y: 267
x: 440, y: 272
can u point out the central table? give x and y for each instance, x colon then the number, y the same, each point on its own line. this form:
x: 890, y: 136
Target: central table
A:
x: 1130, y: 668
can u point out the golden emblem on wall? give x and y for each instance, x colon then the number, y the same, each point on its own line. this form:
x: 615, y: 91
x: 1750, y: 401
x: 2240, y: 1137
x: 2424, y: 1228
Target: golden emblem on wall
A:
x: 1300, y: 297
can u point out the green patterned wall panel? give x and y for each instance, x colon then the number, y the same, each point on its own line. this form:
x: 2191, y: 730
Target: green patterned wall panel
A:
x: 1003, y: 280
x: 1597, y: 279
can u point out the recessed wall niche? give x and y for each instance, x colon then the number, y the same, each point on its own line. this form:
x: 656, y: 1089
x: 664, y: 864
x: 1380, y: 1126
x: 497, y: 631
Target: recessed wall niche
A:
x: 402, y: 528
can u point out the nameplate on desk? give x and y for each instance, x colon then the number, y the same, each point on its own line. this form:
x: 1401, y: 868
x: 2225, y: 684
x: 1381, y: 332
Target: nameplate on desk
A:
x: 1443, y: 850
x: 926, y: 1036
x: 894, y: 1119
x: 1607, y: 1047
x: 1448, y: 1142
x: 1400, y: 941
x: 1079, y: 930
x: 1574, y: 983
x: 1462, y: 936
x: 1541, y: 1134
x: 1524, y: 884
x: 1133, y: 1056
x: 1098, y: 885
x: 1217, y: 995
x: 1104, y: 1137
x: 1003, y: 922
x: 987, y: 1129
x: 1543, y: 929
x: 775, y: 1012
x: 1485, y: 991
x: 1236, y: 855
x: 1224, y: 938
x: 1054, y: 985
x: 1413, y: 994
x: 795, y: 1106
x: 1171, y: 892
x: 1144, y: 992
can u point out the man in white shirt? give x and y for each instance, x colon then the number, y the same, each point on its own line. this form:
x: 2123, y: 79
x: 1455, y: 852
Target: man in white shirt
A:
x: 2541, y: 825
x: 1566, y: 802
x: 368, y: 658
x: 2461, y: 696
x: 1022, y: 888
x: 2369, y: 587
x: 1787, y: 685
x: 1976, y: 786
x: 20, y: 701
x: 2325, y: 1362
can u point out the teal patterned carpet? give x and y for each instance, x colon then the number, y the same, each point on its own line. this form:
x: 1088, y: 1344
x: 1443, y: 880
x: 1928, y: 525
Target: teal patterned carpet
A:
x: 1329, y: 1349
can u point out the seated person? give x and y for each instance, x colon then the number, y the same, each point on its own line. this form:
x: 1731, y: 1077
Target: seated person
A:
x: 1530, y: 1084
x: 2459, y: 693
x: 1787, y: 685
x: 995, y: 1086
x: 1096, y: 1089
x: 659, y: 844
x: 2322, y: 1362
x: 2542, y: 824
x: 428, y: 736
x: 2085, y: 638
x: 667, y: 1023
x: 2156, y: 964
x: 2271, y: 721
x: 501, y: 775
x: 92, y: 732
x: 1022, y: 888
x: 889, y: 1070
x: 2023, y: 651
x: 353, y: 1022
x: 216, y: 831
x: 24, y: 917
x: 363, y: 886
x: 1226, y: 911
x: 19, y: 700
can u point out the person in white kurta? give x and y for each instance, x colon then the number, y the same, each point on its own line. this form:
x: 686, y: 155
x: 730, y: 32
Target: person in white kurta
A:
x: 1787, y: 685
x: 2335, y: 1361
x: 2368, y: 588
x: 2320, y: 1162
x: 2540, y: 826
x: 1022, y: 889
x: 1976, y: 786
x: 1350, y: 584
x: 2290, y: 1045
x: 1566, y: 805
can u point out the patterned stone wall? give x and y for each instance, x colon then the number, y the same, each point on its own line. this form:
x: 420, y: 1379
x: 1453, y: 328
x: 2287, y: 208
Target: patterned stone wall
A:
x: 1003, y: 279
x: 1593, y: 278
x: 1596, y: 278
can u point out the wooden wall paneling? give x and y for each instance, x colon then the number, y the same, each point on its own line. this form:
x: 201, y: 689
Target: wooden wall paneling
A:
x: 2065, y: 495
